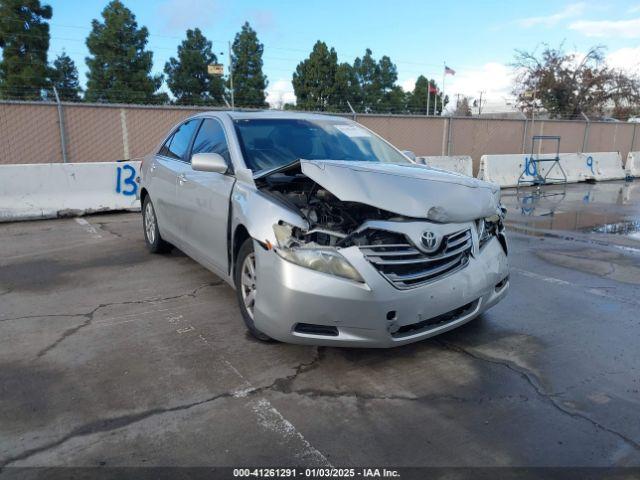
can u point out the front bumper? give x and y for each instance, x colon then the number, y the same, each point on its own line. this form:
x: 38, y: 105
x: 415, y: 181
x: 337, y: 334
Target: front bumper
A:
x: 362, y: 313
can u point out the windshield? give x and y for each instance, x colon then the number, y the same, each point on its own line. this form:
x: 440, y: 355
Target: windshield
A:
x: 271, y: 143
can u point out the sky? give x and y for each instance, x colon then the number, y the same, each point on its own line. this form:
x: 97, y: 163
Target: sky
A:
x: 477, y: 39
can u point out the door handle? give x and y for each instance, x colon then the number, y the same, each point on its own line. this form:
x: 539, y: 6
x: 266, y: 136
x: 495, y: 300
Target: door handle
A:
x: 182, y: 179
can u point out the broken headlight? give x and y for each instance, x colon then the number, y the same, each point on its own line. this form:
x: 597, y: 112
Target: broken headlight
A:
x: 321, y: 259
x: 488, y: 227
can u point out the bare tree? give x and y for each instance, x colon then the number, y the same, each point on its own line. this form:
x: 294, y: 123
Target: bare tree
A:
x: 566, y: 85
x: 463, y: 109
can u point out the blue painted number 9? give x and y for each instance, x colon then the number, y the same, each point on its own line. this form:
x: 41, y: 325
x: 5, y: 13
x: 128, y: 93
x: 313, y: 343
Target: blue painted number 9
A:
x: 129, y: 182
x: 590, y: 163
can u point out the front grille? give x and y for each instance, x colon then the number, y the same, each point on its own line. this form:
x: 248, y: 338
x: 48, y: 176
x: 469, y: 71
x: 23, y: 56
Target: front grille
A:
x: 402, y: 264
x: 438, y: 321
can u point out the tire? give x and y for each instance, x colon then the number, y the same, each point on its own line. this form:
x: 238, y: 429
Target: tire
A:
x: 245, y: 265
x: 152, y: 237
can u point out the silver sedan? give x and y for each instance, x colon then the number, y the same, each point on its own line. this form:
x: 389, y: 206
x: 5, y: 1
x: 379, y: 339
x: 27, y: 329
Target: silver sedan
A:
x: 328, y: 233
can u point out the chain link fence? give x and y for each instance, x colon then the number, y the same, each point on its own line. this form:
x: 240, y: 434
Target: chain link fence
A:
x: 47, y: 132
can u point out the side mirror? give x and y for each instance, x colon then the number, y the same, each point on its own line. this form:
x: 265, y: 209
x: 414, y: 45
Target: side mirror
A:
x: 410, y: 154
x: 209, y: 162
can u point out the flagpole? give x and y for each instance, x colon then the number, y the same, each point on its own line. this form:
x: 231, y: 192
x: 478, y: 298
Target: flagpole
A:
x: 444, y: 75
x: 428, y: 95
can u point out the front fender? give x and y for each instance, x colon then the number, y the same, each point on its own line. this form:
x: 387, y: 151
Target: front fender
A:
x: 257, y: 212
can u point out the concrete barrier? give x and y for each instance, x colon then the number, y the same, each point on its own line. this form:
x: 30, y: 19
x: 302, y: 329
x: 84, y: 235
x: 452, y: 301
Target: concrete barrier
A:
x: 632, y: 165
x: 605, y: 165
x: 57, y: 189
x: 459, y: 164
x: 578, y: 167
x: 505, y: 170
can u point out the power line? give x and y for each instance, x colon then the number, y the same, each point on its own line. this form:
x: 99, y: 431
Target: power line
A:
x: 223, y: 43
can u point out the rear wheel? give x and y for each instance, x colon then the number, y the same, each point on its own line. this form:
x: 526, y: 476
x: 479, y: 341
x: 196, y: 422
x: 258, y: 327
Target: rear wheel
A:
x: 246, y: 287
x: 152, y: 237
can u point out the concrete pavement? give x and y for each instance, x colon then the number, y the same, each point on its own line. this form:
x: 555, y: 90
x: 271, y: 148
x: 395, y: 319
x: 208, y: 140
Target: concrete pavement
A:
x: 112, y: 356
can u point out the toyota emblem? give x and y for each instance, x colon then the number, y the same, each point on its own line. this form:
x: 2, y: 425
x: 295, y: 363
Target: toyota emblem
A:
x: 429, y: 241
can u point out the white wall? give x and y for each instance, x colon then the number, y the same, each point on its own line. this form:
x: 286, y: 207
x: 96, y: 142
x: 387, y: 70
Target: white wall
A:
x: 459, y: 164
x: 578, y: 167
x: 53, y: 190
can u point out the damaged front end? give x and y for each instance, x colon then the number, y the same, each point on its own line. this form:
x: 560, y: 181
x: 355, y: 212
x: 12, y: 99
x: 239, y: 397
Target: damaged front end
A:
x: 491, y: 227
x: 332, y: 224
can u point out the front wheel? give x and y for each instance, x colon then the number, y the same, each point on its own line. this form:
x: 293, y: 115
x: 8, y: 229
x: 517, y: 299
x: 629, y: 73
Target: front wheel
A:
x: 152, y: 237
x: 246, y: 287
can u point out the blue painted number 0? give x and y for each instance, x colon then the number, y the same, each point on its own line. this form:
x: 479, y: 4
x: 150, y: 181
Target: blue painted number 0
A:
x: 127, y: 185
x: 528, y: 164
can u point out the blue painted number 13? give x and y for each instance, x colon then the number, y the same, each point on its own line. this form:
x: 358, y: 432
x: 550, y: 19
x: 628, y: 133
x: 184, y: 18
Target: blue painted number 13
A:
x: 126, y: 185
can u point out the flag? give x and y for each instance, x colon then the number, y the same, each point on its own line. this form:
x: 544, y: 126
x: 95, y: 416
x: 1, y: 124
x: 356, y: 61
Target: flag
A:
x: 449, y: 71
x: 432, y: 89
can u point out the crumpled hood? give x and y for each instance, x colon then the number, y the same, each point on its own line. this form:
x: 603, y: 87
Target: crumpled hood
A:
x: 409, y: 190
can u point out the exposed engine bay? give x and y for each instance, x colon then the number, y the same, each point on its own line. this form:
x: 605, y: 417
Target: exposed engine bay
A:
x: 332, y: 222
x: 336, y: 223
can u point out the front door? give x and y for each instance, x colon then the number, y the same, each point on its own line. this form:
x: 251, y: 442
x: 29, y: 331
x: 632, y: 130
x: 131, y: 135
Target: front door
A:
x: 204, y: 198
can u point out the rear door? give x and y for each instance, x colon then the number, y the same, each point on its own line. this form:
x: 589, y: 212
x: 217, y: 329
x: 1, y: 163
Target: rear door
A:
x: 169, y: 163
x: 203, y: 199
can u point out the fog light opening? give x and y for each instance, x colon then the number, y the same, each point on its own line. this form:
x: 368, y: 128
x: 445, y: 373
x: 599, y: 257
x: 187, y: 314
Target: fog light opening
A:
x: 392, y: 315
x: 313, y: 329
x: 500, y: 285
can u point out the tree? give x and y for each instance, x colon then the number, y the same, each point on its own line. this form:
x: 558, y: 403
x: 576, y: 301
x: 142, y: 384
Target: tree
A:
x: 119, y: 65
x: 376, y: 83
x: 345, y: 88
x: 367, y: 73
x: 249, y: 83
x: 566, y: 85
x: 392, y: 97
x: 24, y: 39
x: 314, y: 81
x: 418, y: 99
x: 187, y: 75
x: 320, y: 83
x: 463, y: 109
x: 64, y: 77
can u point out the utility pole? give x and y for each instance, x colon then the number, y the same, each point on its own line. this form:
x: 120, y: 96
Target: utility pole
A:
x: 353, y: 112
x: 233, y: 103
x: 428, y: 95
x: 480, y: 104
x: 63, y: 143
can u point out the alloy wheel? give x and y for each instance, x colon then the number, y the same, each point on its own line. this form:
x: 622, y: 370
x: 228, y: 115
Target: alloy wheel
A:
x: 150, y: 223
x: 248, y: 283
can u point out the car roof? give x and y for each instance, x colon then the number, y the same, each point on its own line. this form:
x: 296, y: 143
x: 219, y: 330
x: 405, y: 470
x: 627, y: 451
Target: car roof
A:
x: 270, y: 114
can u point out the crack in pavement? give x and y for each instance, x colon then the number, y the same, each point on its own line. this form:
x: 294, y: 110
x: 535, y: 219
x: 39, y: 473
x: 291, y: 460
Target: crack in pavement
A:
x: 67, y: 333
x: 90, y: 315
x: 359, y: 396
x: 129, y: 302
x: 282, y: 383
x: 285, y: 385
x: 546, y: 396
x: 103, y: 226
x: 109, y: 424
